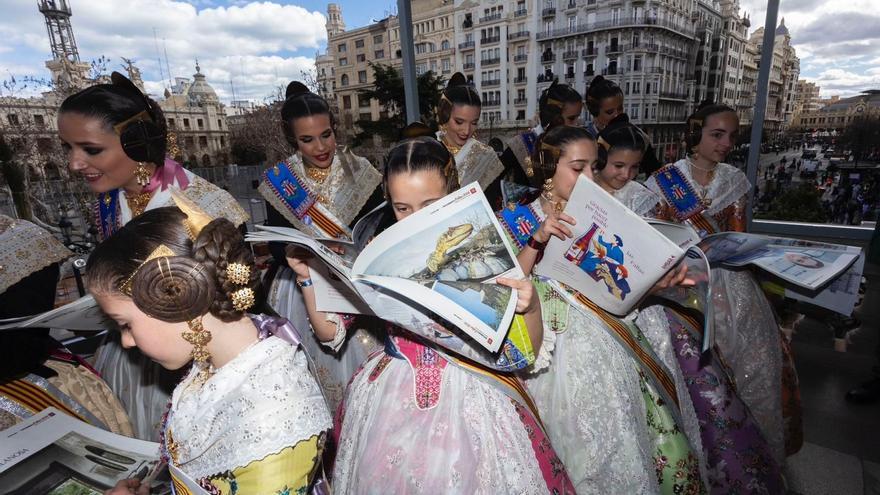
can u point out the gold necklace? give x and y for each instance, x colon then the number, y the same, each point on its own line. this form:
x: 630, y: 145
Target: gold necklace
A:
x: 451, y: 147
x: 137, y: 203
x: 705, y: 189
x: 317, y: 174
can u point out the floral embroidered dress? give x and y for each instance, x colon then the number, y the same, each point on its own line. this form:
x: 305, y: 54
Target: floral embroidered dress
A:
x: 613, y: 417
x: 747, y: 335
x: 257, y: 425
x: 476, y: 162
x: 320, y: 209
x: 736, y: 454
x: 419, y: 419
x: 141, y: 384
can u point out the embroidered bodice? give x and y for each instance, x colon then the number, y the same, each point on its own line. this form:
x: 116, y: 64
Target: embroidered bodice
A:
x: 637, y: 198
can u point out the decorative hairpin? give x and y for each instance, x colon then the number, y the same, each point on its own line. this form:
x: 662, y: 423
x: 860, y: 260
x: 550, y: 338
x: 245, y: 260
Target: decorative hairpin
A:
x: 142, y: 115
x: 554, y: 102
x: 547, y: 147
x: 238, y: 273
x: 602, y: 142
x: 161, y: 251
x: 243, y: 299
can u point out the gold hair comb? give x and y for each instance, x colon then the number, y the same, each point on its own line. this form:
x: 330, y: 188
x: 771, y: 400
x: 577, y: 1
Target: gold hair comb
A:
x: 142, y: 115
x: 196, y: 218
x: 161, y: 251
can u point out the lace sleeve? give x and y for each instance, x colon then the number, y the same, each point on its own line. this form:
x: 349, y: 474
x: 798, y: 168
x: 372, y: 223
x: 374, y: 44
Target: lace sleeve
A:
x: 545, y: 354
x: 343, y: 322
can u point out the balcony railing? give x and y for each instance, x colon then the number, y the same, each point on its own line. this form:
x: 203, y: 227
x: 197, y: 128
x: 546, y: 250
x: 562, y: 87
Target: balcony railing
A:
x: 589, y: 52
x: 467, y: 45
x: 548, y: 57
x: 613, y: 49
x: 520, y: 80
x: 490, y: 18
x: 572, y: 4
x: 490, y: 39
x: 569, y: 75
x: 569, y: 55
x: 521, y: 13
x: 490, y: 82
x: 468, y: 66
x: 611, y: 24
x: 490, y: 61
x: 671, y: 95
x: 549, y: 12
x: 521, y: 57
x: 589, y: 72
x: 545, y: 77
x: 520, y: 101
x: 518, y: 34
x: 492, y: 103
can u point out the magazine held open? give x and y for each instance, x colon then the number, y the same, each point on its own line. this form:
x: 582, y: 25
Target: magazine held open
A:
x: 443, y: 260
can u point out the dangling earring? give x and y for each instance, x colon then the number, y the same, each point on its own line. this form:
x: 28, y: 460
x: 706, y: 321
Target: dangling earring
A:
x: 530, y: 170
x: 141, y: 174
x: 199, y: 336
x: 443, y: 128
x: 548, y: 190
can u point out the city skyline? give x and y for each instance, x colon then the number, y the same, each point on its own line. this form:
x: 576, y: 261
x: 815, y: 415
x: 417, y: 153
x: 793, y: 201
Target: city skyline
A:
x: 262, y: 46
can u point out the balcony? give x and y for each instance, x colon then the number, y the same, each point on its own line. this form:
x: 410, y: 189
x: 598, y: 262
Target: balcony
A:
x: 614, y: 49
x: 521, y: 13
x: 569, y: 75
x: 572, y: 4
x: 549, y: 12
x: 522, y: 57
x: 589, y: 73
x: 490, y: 82
x: 589, y: 52
x: 520, y: 101
x: 519, y: 34
x: 490, y: 18
x: 491, y: 103
x: 613, y: 71
x: 645, y: 21
x: 521, y: 80
x: 490, y: 39
x: 468, y: 66
x: 545, y: 77
x: 671, y: 95
x: 548, y: 57
x: 569, y: 55
x: 490, y: 61
x: 467, y: 45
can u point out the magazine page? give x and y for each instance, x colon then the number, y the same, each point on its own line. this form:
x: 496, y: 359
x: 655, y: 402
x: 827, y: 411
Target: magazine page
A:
x: 447, y: 257
x: 840, y: 295
x: 183, y: 484
x: 326, y: 249
x: 682, y: 234
x: 82, y: 314
x: 807, y: 267
x: 699, y: 296
x: 52, y: 452
x: 333, y: 294
x: 614, y: 257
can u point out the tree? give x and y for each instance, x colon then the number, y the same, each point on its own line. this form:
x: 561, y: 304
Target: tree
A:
x: 257, y: 137
x: 861, y: 136
x: 388, y: 90
x: 800, y: 204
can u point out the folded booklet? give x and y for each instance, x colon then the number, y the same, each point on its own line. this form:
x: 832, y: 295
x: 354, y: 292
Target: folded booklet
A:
x: 442, y: 260
x: 82, y: 314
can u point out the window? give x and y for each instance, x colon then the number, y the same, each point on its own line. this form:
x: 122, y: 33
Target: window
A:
x: 203, y: 141
x: 447, y: 67
x: 343, y: 61
x: 344, y: 80
x: 521, y: 115
x: 200, y: 123
x: 12, y: 118
x: 365, y: 116
x: 171, y: 123
x: 359, y: 43
x: 362, y: 76
x: 377, y: 40
x: 341, y: 48
x: 363, y: 101
x: 637, y: 64
x: 39, y: 121
x: 186, y: 123
x: 444, y: 45
x: 346, y: 102
x: 361, y: 57
x: 379, y: 54
x: 222, y: 141
x: 219, y: 124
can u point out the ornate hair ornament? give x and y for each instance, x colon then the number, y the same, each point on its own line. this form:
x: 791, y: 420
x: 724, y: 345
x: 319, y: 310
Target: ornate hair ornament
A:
x: 554, y: 102
x: 196, y: 218
x: 603, y: 143
x: 243, y: 299
x: 238, y: 273
x: 547, y: 147
x: 161, y: 251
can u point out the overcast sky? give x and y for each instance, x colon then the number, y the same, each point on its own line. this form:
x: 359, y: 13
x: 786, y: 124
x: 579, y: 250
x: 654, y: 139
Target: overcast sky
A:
x: 259, y: 46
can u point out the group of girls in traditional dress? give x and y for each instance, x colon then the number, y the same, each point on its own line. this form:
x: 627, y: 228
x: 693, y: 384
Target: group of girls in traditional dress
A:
x: 576, y: 401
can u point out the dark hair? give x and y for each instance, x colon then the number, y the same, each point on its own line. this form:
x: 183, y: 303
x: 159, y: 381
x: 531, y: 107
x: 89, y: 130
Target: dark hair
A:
x: 553, y: 100
x: 457, y: 92
x: 116, y: 103
x: 549, y: 148
x: 620, y: 134
x: 418, y: 151
x: 201, y: 265
x: 598, y: 90
x: 300, y: 102
x: 697, y: 119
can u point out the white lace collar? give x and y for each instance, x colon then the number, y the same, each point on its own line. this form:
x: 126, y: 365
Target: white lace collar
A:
x: 728, y: 185
x: 637, y: 197
x: 259, y: 403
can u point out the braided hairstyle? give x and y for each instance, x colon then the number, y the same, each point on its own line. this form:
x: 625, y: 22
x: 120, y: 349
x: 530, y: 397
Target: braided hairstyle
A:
x: 188, y: 283
x: 550, y: 146
x: 418, y: 150
x: 553, y: 101
x: 119, y: 102
x: 457, y: 92
x: 301, y: 102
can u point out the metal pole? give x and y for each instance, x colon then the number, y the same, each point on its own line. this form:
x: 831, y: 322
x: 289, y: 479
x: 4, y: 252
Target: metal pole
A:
x: 407, y: 49
x: 761, y: 102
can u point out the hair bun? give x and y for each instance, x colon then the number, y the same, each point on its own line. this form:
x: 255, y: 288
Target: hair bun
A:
x: 457, y: 79
x: 173, y: 289
x: 296, y: 88
x: 621, y: 121
x: 118, y: 80
x: 416, y: 130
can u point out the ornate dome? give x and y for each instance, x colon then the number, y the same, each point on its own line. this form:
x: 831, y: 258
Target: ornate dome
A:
x: 200, y: 92
x: 782, y: 30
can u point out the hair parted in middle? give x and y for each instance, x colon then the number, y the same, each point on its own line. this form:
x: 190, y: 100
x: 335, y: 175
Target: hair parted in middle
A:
x: 419, y: 150
x: 696, y: 121
x: 197, y: 267
x: 457, y: 92
x: 301, y: 102
x: 620, y: 134
x: 553, y: 100
x: 598, y: 90
x: 550, y: 146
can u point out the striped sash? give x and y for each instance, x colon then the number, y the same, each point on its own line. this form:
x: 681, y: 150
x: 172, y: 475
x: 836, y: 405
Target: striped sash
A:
x: 34, y: 398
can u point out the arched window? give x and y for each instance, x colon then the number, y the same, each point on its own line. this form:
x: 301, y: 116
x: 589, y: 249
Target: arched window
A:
x: 344, y: 80
x: 444, y: 45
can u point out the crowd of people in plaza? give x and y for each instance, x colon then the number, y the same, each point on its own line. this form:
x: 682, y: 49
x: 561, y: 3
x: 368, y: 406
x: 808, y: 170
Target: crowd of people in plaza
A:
x: 250, y: 388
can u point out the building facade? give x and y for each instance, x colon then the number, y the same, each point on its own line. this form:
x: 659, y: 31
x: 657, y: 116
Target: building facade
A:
x: 784, y: 73
x: 839, y: 113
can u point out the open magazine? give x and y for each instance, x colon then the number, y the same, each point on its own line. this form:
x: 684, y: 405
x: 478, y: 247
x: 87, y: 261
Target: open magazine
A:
x: 444, y: 260
x: 53, y: 453
x: 82, y: 314
x: 806, y: 265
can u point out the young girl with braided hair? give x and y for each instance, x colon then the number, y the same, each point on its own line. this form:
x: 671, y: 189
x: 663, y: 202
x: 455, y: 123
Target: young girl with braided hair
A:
x: 248, y: 416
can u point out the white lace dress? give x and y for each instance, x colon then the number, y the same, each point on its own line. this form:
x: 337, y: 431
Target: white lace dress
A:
x: 746, y: 331
x: 637, y: 198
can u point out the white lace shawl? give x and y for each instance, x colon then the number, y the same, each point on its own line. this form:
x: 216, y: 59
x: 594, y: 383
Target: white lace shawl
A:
x: 728, y: 185
x: 476, y: 162
x: 259, y: 403
x: 27, y: 249
x: 637, y: 198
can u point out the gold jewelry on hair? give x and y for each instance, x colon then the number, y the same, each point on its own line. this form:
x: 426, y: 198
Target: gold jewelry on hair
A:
x: 530, y: 170
x: 199, y: 336
x: 243, y: 299
x: 161, y: 251
x: 238, y: 273
x: 142, y: 115
x: 137, y: 203
x: 141, y: 174
x: 196, y: 218
x: 605, y: 144
x: 554, y: 102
